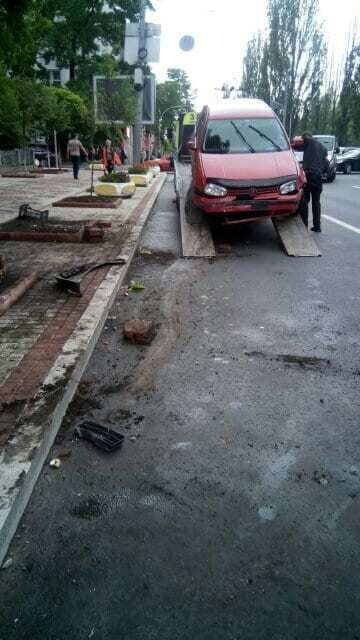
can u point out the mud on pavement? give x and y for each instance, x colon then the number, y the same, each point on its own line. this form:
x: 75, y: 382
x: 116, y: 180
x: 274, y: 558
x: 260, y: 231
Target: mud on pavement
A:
x: 232, y: 509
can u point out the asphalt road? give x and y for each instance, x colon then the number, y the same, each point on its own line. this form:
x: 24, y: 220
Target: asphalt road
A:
x: 232, y: 510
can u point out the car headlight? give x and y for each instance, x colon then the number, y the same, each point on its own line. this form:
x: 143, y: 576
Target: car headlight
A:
x: 215, y: 190
x: 288, y: 187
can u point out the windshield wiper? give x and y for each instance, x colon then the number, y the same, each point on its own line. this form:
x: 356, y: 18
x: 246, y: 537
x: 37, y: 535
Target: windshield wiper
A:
x: 242, y: 136
x: 263, y: 135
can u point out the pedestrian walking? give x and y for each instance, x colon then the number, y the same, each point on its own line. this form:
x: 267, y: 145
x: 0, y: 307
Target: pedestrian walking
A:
x: 108, y: 156
x: 74, y: 150
x: 315, y: 164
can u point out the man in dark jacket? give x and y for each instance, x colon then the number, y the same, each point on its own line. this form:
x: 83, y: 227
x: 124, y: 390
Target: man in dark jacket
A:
x: 315, y: 164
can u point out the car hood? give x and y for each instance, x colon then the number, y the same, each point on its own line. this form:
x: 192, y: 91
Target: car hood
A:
x: 249, y: 166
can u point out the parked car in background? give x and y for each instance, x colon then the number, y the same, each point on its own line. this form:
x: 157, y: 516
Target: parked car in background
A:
x: 349, y: 162
x: 331, y: 146
x: 242, y: 165
x: 343, y: 150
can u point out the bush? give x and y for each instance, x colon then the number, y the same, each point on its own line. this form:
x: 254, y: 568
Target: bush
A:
x: 139, y: 169
x: 116, y: 177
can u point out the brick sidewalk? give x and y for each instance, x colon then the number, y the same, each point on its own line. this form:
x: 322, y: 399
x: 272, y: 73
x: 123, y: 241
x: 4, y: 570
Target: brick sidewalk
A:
x: 33, y: 331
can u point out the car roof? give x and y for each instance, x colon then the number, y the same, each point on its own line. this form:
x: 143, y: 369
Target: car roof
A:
x: 350, y: 154
x: 241, y: 108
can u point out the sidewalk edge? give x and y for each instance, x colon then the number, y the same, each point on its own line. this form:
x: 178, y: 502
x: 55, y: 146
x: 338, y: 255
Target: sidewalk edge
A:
x: 28, y: 467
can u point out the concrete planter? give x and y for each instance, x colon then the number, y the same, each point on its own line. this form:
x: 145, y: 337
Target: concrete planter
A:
x: 155, y: 170
x: 97, y: 166
x: 141, y: 180
x: 123, y: 189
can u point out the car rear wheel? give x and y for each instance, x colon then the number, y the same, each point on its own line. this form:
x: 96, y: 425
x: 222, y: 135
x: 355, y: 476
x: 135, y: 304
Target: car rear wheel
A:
x: 348, y: 169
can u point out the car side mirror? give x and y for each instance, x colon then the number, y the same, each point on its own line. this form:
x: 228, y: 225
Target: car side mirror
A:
x: 191, y: 145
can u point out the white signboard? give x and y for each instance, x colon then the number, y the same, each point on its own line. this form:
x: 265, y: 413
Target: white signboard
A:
x: 152, y: 45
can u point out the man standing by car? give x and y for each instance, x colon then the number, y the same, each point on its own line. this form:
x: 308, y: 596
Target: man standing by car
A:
x: 74, y: 150
x: 315, y: 164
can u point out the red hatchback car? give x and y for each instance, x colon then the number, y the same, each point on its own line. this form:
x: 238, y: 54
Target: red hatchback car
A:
x: 243, y: 167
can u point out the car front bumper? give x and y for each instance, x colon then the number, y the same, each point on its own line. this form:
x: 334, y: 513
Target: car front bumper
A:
x: 248, y: 209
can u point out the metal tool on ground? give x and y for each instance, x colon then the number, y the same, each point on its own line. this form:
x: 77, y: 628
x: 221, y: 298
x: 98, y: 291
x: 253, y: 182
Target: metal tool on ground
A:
x: 101, y: 436
x: 25, y: 211
x: 70, y: 279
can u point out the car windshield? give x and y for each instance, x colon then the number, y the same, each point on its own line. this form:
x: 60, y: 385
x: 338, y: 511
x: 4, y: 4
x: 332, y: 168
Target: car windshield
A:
x: 244, y: 135
x: 328, y: 142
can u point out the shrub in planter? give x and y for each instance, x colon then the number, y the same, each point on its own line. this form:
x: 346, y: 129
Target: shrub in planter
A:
x: 116, y: 177
x: 138, y: 169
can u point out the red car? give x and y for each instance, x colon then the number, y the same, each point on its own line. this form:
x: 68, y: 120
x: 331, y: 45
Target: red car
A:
x: 243, y: 167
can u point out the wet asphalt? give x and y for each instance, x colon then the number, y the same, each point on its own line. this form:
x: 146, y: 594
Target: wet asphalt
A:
x: 232, y: 510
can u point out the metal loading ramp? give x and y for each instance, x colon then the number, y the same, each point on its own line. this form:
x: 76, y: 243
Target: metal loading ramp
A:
x: 196, y: 239
x: 295, y: 238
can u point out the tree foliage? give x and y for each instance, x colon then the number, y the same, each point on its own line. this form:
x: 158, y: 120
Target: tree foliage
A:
x: 286, y: 64
x: 172, y: 97
x: 80, y: 27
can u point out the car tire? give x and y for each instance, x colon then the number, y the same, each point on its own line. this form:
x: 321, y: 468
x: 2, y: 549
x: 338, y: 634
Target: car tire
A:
x: 348, y: 169
x: 193, y: 214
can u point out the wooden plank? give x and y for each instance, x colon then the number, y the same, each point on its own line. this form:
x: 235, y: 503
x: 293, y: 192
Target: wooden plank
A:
x: 196, y: 238
x: 295, y: 237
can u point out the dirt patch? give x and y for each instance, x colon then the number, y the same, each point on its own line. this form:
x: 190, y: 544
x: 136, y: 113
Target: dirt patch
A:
x: 310, y: 362
x: 52, y: 226
x: 23, y: 174
x: 89, y: 509
x: 89, y: 202
x: 84, y: 404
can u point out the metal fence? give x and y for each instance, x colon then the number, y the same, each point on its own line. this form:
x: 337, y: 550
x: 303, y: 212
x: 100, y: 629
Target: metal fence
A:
x: 17, y: 158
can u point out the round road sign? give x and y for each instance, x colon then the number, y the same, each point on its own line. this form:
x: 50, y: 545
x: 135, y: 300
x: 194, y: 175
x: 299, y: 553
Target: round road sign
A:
x: 187, y: 43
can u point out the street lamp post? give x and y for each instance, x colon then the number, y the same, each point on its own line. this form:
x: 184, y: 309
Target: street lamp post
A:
x: 178, y: 106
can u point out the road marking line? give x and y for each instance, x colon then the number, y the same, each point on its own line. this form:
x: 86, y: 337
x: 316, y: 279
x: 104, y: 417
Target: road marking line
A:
x: 342, y: 224
x: 355, y: 187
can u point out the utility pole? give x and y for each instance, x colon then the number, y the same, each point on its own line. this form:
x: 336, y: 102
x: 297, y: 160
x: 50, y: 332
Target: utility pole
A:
x: 139, y: 84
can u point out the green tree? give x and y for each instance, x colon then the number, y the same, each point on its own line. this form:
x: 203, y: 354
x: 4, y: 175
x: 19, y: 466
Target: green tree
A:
x: 22, y: 25
x: 286, y: 64
x: 172, y: 97
x: 348, y: 112
x: 80, y: 27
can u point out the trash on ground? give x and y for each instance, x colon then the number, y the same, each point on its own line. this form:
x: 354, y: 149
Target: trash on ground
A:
x: 25, y: 211
x: 101, y: 436
x: 139, y: 331
x: 322, y: 478
x: 7, y: 564
x: 55, y: 462
x: 136, y: 285
x: 70, y: 279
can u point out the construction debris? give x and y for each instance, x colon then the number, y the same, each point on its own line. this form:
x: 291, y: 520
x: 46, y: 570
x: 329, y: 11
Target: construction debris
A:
x: 139, y: 331
x: 101, y: 436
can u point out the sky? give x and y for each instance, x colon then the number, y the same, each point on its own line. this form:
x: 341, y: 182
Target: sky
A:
x: 221, y: 29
